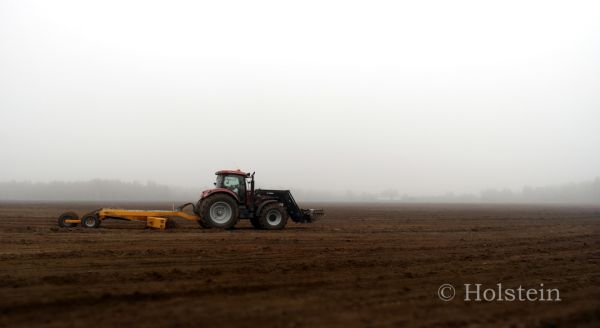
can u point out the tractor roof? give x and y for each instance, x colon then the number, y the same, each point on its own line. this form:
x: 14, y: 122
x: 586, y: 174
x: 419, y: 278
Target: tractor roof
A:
x: 236, y: 172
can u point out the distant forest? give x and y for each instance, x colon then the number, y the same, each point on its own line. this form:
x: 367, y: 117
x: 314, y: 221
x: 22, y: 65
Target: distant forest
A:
x: 94, y: 190
x: 115, y: 190
x: 575, y: 193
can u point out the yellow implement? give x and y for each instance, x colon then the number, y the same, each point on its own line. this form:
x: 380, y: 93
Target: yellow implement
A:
x: 154, y: 218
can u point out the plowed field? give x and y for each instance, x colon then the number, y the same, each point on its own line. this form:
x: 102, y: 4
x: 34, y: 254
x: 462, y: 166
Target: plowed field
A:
x: 361, y: 265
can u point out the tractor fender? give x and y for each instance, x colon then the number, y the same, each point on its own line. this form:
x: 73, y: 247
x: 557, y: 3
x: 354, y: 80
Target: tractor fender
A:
x: 265, y: 203
x: 207, y: 193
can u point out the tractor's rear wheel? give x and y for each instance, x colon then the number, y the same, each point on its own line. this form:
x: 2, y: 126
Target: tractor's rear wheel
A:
x: 203, y: 224
x: 198, y: 211
x: 67, y: 216
x: 273, y: 217
x: 219, y: 211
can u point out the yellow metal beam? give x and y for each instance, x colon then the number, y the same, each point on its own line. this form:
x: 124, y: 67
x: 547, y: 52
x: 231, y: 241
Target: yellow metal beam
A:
x: 141, y: 215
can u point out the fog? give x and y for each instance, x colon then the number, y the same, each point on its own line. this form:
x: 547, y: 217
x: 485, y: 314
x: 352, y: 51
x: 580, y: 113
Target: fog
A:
x: 114, y: 191
x: 423, y: 98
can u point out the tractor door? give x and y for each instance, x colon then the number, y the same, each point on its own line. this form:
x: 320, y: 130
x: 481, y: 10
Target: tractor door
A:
x: 237, y: 184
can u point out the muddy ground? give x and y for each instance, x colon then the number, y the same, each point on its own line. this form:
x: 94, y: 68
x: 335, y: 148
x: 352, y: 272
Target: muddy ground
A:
x: 362, y: 265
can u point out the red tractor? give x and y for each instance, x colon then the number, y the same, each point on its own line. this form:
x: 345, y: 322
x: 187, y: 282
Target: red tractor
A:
x: 234, y: 198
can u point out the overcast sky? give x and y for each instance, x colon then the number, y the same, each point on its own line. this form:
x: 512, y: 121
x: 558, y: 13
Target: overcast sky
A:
x: 423, y: 96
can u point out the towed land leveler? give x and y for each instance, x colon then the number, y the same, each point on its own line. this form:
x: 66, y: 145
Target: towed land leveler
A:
x: 233, y: 198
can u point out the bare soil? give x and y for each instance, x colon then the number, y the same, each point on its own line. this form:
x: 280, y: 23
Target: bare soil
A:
x: 361, y: 265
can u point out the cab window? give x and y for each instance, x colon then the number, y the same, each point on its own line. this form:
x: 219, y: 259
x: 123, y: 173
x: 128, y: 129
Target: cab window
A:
x: 231, y: 181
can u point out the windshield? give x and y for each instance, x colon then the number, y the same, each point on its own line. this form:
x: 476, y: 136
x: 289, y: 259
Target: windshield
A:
x: 234, y: 183
x: 229, y: 181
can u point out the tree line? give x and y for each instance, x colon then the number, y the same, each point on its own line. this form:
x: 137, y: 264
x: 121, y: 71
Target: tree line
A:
x: 116, y: 190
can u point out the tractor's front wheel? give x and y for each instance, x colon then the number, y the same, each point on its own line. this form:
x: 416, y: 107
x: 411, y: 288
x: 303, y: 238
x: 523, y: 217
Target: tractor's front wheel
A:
x: 273, y: 217
x: 219, y: 211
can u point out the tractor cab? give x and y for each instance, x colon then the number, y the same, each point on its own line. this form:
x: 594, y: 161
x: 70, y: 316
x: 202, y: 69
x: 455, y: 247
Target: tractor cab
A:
x: 235, y: 181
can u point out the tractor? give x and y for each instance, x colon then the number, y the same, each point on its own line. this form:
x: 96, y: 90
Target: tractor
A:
x: 234, y: 198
